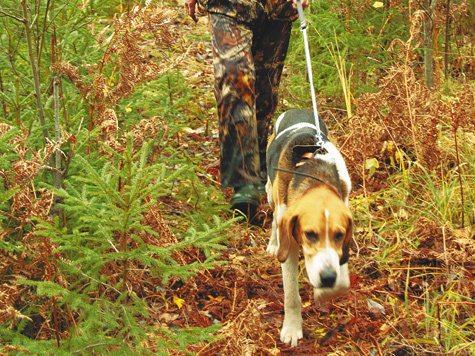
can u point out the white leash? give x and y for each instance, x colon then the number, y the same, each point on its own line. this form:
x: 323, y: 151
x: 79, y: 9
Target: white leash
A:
x: 303, y: 28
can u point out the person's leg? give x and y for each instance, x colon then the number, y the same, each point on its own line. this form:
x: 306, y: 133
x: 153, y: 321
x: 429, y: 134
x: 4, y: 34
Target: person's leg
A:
x: 269, y: 48
x: 235, y: 96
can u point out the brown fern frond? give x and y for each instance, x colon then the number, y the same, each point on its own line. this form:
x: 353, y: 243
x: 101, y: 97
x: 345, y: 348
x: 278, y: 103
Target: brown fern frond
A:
x: 382, y: 126
x: 72, y: 72
x: 462, y: 109
x: 9, y: 293
x: 124, y: 55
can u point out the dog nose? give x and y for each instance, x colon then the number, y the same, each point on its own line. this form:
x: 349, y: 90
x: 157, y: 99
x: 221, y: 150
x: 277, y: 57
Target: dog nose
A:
x: 328, y: 277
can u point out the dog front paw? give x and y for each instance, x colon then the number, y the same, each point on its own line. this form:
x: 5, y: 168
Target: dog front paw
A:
x: 291, y: 331
x: 289, y: 335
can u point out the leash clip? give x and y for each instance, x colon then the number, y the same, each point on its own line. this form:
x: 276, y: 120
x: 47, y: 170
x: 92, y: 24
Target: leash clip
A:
x: 319, y: 142
x: 303, y: 25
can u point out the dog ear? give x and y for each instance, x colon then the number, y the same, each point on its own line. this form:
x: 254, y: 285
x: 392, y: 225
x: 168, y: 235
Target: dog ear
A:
x: 285, y: 235
x: 347, y: 242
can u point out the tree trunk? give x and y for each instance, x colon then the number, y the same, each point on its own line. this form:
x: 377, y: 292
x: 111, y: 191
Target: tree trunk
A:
x: 429, y: 6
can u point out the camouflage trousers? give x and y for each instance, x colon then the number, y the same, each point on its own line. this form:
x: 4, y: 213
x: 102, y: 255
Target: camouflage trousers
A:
x: 248, y: 59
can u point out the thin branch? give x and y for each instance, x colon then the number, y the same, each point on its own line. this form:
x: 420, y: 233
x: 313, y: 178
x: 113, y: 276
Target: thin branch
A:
x: 11, y: 16
x: 4, y: 104
x: 34, y: 68
x: 447, y: 40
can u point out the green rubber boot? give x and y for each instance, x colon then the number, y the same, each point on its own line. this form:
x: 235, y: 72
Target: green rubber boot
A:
x: 246, y: 199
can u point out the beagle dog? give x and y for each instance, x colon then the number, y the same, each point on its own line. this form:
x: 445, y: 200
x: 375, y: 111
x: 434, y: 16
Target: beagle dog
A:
x: 307, y: 188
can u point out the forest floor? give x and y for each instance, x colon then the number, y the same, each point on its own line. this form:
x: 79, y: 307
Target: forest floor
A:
x: 409, y: 150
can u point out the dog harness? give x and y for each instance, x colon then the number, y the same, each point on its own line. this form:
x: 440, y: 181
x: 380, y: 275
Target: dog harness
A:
x: 295, y: 128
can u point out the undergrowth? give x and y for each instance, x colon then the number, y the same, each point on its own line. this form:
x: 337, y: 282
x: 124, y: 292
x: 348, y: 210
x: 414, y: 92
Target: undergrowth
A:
x: 408, y: 148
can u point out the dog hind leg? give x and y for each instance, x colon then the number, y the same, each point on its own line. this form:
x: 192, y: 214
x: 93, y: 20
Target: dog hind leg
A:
x: 273, y: 245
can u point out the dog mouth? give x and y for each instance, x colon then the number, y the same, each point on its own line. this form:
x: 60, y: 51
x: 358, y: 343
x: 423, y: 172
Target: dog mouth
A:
x: 326, y: 293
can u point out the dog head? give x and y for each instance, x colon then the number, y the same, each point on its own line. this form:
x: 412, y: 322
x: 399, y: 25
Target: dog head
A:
x: 322, y: 224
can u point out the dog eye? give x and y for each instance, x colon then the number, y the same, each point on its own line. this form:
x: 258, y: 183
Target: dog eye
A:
x: 311, y: 236
x: 338, y: 237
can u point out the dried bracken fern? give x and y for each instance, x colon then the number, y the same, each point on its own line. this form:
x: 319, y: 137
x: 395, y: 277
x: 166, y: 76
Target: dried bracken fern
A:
x: 29, y: 202
x: 27, y: 205
x: 9, y: 294
x: 461, y: 109
x: 145, y: 130
x: 401, y: 124
x: 124, y: 52
x: 246, y: 335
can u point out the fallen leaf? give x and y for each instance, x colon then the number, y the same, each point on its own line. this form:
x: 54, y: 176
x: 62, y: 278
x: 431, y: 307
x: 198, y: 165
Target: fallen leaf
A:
x: 219, y: 298
x: 178, y: 301
x: 375, y: 307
